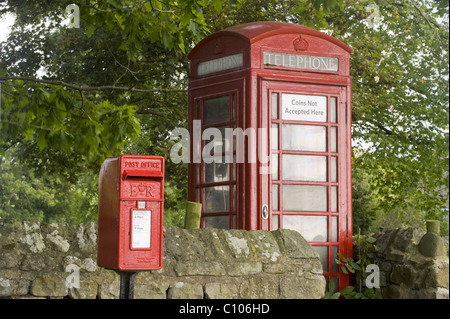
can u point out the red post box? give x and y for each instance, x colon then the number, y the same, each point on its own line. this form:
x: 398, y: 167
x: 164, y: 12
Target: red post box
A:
x: 130, y: 213
x: 270, y: 128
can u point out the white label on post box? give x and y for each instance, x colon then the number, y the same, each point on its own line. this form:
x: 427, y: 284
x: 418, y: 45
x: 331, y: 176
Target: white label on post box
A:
x: 141, y: 225
x: 304, y: 107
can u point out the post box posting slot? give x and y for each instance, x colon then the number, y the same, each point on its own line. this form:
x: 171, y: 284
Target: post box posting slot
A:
x: 131, y: 204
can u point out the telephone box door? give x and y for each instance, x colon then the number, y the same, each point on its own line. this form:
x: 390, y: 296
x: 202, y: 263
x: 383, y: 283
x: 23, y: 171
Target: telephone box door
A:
x: 214, y: 173
x: 310, y: 167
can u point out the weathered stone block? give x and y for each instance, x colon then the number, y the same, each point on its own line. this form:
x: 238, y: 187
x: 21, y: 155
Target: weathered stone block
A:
x: 156, y: 289
x: 295, y: 245
x: 407, y: 238
x: 86, y: 236
x: 182, y: 290
x: 259, y: 288
x: 51, y: 285
x: 238, y: 244
x: 221, y: 291
x: 181, y: 244
x: 109, y: 287
x: 86, y: 290
x: 199, y: 268
x: 302, y: 288
x: 214, y: 241
x: 244, y: 268
x: 13, y: 287
x: 403, y: 274
x: 432, y: 245
x: 280, y: 267
x: 438, y: 274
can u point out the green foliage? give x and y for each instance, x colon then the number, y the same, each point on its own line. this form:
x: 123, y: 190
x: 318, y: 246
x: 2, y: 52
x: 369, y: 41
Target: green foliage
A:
x: 52, y: 119
x: 349, y: 292
x: 348, y: 264
x: 365, y: 253
x: 25, y: 195
x: 73, y: 97
x: 70, y: 101
x: 400, y: 105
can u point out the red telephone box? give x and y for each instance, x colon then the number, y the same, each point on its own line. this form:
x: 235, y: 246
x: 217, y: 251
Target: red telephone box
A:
x: 283, y: 93
x: 130, y: 213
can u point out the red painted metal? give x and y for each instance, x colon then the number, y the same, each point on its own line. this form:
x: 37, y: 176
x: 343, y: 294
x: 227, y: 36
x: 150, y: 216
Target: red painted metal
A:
x: 131, y: 188
x: 232, y: 63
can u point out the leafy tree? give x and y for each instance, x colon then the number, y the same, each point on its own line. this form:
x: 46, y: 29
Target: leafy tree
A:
x: 119, y: 82
x: 399, y: 67
x: 123, y: 79
x: 400, y: 106
x: 25, y: 196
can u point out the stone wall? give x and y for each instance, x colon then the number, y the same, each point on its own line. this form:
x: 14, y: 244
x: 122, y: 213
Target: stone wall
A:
x: 59, y: 261
x: 411, y: 268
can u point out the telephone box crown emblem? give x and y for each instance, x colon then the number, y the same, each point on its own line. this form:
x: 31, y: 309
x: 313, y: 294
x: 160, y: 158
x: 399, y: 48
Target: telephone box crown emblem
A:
x: 300, y: 44
x: 219, y: 47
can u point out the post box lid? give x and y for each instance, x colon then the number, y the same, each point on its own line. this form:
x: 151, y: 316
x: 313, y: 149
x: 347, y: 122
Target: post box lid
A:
x: 256, y: 31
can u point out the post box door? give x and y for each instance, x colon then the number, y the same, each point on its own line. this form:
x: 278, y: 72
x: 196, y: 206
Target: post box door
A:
x: 141, y: 244
x: 309, y: 186
x: 141, y: 212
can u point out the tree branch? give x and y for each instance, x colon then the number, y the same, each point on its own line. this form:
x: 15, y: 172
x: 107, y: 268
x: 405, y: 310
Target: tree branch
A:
x: 430, y: 23
x: 26, y: 126
x: 141, y: 111
x: 90, y: 88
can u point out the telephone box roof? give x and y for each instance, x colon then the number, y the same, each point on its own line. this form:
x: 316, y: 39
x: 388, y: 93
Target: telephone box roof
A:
x: 256, y: 31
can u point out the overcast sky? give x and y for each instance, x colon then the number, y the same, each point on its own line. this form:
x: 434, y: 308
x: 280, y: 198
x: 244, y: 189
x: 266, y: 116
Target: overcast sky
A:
x: 5, y: 26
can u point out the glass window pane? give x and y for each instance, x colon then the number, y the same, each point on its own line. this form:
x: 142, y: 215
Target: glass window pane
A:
x: 336, y: 284
x: 216, y: 171
x: 334, y: 169
x: 275, y: 196
x: 333, y: 110
x: 323, y: 255
x: 215, y: 141
x: 234, y: 167
x: 334, y: 199
x: 305, y: 198
x: 333, y: 147
x: 275, y: 222
x: 274, y: 135
x: 217, y: 222
x: 304, y: 168
x: 334, y: 266
x: 234, y: 198
x: 312, y: 228
x: 217, y: 199
x: 274, y: 165
x: 216, y: 110
x: 304, y: 138
x: 334, y: 228
x: 275, y: 106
